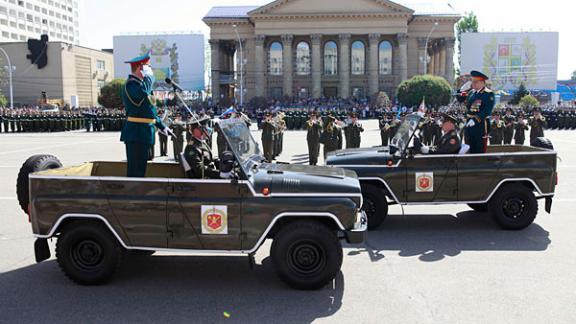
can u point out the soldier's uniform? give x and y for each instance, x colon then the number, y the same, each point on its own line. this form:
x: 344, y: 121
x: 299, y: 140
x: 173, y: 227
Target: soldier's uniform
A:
x: 268, y: 130
x: 331, y: 137
x: 537, y: 125
x: 496, y: 130
x: 198, y: 155
x: 142, y: 118
x: 178, y: 128
x: 313, y: 138
x: 385, y: 130
x: 354, y: 131
x: 520, y: 128
x: 509, y: 120
x: 479, y: 105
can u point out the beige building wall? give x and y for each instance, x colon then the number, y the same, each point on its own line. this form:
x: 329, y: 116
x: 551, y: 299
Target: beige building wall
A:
x: 71, y: 71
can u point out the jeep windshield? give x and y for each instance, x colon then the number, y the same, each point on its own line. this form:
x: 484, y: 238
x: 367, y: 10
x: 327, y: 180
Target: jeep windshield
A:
x: 241, y: 142
x: 405, y: 132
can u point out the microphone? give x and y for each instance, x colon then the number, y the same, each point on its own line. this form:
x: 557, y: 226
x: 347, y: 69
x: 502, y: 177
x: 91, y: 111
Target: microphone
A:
x: 174, y: 85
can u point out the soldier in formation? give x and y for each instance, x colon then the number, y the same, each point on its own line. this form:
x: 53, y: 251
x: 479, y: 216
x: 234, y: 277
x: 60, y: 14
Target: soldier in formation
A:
x: 314, y: 127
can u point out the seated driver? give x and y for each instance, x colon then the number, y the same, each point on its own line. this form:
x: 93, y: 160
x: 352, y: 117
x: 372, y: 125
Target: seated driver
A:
x: 198, y: 155
x: 449, y: 143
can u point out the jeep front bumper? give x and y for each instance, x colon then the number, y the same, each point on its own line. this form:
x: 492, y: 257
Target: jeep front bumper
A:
x: 357, y: 233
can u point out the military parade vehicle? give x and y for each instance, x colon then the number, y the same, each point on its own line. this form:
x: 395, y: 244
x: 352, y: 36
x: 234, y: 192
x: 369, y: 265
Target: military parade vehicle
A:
x: 506, y: 181
x: 97, y: 214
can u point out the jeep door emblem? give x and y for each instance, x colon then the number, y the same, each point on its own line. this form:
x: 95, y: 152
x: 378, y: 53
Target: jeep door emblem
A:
x: 215, y: 220
x: 425, y: 182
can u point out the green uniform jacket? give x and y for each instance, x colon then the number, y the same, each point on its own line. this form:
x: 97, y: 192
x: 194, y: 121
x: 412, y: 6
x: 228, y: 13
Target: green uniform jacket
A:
x: 137, y: 102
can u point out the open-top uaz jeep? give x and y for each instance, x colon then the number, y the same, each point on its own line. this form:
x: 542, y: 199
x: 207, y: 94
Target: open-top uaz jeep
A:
x: 97, y: 213
x: 506, y: 181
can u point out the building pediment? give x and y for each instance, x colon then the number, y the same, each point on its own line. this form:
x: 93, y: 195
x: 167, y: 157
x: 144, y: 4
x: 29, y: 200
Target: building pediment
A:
x: 332, y: 7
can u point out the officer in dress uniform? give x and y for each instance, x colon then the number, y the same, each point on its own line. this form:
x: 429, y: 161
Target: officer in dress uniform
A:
x: 479, y: 106
x: 449, y: 143
x: 142, y: 118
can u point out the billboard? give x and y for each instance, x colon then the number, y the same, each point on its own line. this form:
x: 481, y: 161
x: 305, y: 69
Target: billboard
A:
x: 510, y: 59
x: 179, y: 57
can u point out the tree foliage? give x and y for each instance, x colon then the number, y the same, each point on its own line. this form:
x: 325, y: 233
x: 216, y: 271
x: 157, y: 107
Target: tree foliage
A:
x: 468, y: 24
x: 436, y: 90
x: 3, y: 100
x: 519, y: 94
x: 528, y: 102
x: 110, y: 94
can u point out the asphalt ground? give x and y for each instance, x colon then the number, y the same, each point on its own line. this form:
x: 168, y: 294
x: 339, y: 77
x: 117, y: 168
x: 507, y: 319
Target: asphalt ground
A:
x: 426, y: 264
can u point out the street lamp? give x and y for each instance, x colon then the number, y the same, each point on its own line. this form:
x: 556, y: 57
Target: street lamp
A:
x: 241, y: 66
x: 9, y: 77
x: 426, y: 58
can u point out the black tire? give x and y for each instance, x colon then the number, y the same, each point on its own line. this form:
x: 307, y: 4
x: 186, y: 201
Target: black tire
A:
x: 306, y: 254
x: 33, y: 164
x: 542, y: 142
x: 375, y: 206
x: 513, y: 207
x: 481, y: 208
x: 88, y: 253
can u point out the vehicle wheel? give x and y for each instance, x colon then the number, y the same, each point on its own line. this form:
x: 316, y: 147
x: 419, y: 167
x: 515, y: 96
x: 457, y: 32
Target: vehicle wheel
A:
x: 513, y: 207
x: 542, y: 142
x: 375, y: 206
x: 481, y: 208
x: 33, y: 164
x: 88, y: 253
x: 306, y: 254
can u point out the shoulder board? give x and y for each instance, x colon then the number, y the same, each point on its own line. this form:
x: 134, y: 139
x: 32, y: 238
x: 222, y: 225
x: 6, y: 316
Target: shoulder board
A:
x: 487, y: 90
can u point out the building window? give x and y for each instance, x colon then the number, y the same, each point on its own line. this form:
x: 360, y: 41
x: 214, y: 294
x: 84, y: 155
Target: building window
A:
x: 358, y: 58
x: 276, y: 92
x: 303, y: 93
x: 385, y: 58
x: 100, y: 84
x: 330, y: 58
x: 303, y: 59
x: 358, y: 93
x: 100, y: 65
x: 275, y: 59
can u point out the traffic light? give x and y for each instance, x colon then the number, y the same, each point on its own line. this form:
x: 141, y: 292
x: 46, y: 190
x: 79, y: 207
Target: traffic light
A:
x: 38, y: 51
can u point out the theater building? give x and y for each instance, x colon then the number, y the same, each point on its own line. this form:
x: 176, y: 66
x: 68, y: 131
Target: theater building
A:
x: 337, y: 48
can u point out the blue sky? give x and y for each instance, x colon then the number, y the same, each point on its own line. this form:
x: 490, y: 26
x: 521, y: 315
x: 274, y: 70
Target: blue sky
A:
x: 102, y: 19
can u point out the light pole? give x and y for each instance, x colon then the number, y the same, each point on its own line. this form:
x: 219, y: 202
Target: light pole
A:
x: 241, y: 66
x: 426, y: 58
x: 9, y: 77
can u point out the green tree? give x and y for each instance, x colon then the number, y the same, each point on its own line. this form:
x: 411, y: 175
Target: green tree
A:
x: 436, y: 90
x: 3, y: 100
x: 528, y: 102
x: 110, y: 94
x: 519, y: 94
x: 468, y: 24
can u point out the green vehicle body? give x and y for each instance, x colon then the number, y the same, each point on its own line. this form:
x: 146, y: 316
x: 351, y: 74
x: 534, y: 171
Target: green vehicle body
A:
x: 450, y: 179
x: 166, y: 211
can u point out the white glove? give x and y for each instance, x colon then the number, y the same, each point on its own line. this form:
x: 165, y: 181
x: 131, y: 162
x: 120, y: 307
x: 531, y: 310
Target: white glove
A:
x: 466, y: 87
x: 425, y: 149
x: 147, y: 71
x: 167, y: 132
x: 471, y: 123
x: 226, y: 175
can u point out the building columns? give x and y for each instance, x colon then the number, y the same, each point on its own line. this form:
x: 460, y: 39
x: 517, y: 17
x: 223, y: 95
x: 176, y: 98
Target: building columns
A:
x: 344, y: 65
x: 422, y: 55
x: 436, y: 58
x: 316, y: 65
x: 403, y: 53
x: 287, y: 64
x: 215, y: 81
x: 442, y: 57
x: 449, y: 42
x: 373, y: 69
x: 260, y: 61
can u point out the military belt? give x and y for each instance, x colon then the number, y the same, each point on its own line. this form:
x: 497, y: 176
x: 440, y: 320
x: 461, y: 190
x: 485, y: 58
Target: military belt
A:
x: 141, y: 120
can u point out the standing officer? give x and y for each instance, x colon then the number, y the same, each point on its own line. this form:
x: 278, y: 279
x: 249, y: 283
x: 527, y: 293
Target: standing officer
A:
x: 385, y: 129
x: 509, y: 120
x: 138, y: 132
x: 313, y: 138
x: 537, y: 125
x: 479, y: 106
x: 331, y: 137
x: 520, y: 128
x: 163, y: 139
x: 178, y: 128
x: 268, y: 130
x: 354, y: 130
x: 496, y: 129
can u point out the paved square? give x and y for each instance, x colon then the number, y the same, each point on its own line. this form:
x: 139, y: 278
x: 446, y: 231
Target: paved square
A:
x: 440, y: 264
